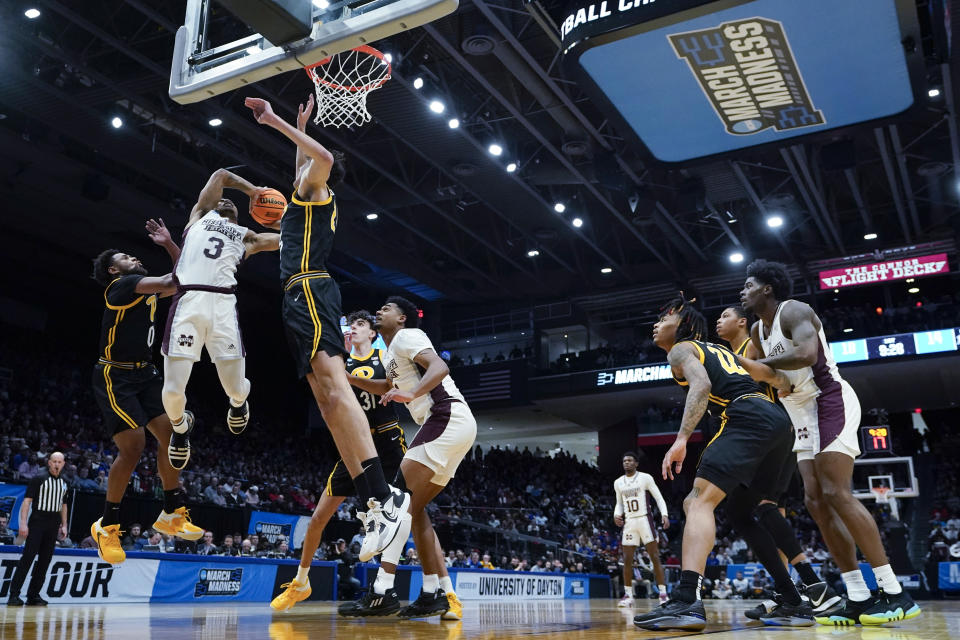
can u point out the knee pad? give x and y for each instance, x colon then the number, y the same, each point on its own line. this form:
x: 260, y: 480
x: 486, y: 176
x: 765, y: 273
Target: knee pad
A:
x: 765, y: 508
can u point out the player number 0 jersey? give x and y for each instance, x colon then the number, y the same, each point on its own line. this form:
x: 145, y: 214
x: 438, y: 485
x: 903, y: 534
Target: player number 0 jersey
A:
x: 212, y: 248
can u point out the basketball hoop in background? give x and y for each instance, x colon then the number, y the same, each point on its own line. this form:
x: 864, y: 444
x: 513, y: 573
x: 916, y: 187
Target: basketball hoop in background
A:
x: 881, y: 494
x: 342, y: 83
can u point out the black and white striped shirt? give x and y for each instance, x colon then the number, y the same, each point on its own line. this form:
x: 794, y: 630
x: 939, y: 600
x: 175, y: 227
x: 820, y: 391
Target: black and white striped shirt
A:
x: 47, y: 492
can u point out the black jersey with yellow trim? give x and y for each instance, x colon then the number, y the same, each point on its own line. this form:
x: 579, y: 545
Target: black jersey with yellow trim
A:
x: 371, y: 366
x: 728, y: 380
x: 768, y: 389
x: 307, y: 230
x: 127, y: 330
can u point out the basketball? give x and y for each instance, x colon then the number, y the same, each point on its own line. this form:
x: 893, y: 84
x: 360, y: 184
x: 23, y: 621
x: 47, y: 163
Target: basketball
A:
x: 269, y: 207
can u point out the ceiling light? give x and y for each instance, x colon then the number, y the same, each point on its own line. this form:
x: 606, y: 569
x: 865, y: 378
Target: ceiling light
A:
x: 577, y: 222
x: 418, y: 83
x: 736, y: 257
x: 436, y: 106
x: 321, y: 4
x: 774, y: 222
x: 848, y: 330
x: 116, y: 122
x: 933, y: 93
x: 913, y: 290
x: 495, y: 149
x: 869, y: 236
x: 453, y: 123
x: 372, y: 216
x: 215, y: 122
x: 836, y: 290
x: 533, y: 253
x: 909, y: 280
x: 32, y: 13
x: 559, y: 207
x: 511, y: 167
x: 606, y: 270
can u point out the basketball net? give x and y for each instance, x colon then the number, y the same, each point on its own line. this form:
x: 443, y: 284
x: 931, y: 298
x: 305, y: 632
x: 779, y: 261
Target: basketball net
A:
x: 342, y: 83
x: 881, y: 495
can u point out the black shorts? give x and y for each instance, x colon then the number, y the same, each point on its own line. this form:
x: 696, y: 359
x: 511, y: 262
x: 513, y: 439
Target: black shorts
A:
x: 391, y: 446
x: 129, y: 398
x: 311, y: 319
x: 752, y: 447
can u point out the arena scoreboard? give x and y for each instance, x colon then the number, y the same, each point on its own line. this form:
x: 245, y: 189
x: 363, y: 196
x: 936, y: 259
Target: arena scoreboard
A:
x: 901, y: 344
x: 688, y: 79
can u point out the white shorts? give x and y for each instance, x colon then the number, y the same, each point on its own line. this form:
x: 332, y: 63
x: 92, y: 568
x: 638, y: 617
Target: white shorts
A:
x: 203, y: 318
x: 828, y: 422
x: 444, y: 439
x: 637, y: 532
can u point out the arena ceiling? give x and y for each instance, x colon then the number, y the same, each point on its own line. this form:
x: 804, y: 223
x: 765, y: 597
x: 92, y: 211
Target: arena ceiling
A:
x: 453, y: 224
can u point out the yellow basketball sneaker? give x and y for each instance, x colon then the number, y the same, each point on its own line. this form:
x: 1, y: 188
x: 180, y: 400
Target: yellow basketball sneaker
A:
x: 295, y: 592
x: 178, y: 524
x: 455, y: 612
x: 108, y: 542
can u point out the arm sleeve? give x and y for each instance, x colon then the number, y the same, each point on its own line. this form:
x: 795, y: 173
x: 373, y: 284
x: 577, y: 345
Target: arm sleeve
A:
x: 33, y: 488
x: 655, y: 492
x: 410, y: 342
x: 124, y: 290
x: 618, y: 510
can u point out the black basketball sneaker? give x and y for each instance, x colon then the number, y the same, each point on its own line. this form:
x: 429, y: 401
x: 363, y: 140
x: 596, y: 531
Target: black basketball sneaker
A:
x: 788, y: 615
x: 845, y: 613
x: 179, y: 448
x: 821, y: 596
x: 760, y: 610
x: 238, y: 418
x: 426, y: 605
x: 371, y: 604
x: 890, y: 608
x: 674, y: 614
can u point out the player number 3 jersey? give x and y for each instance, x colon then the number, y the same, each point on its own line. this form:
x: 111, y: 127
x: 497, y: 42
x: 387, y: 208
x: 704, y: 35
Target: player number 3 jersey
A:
x: 212, y: 248
x: 405, y: 374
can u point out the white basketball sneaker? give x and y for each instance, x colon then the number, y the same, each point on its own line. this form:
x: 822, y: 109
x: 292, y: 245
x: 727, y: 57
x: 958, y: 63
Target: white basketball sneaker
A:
x: 384, y: 522
x: 626, y: 601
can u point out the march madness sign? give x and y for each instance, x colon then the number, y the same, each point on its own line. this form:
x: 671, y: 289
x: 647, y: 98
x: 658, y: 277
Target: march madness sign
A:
x: 885, y: 271
x: 748, y: 73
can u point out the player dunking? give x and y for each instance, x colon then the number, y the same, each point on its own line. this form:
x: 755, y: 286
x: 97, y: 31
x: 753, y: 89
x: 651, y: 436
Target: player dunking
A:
x: 825, y: 410
x: 128, y: 387
x: 387, y: 433
x: 732, y: 326
x: 631, y: 513
x: 418, y: 377
x: 204, y: 309
x: 749, y: 448
x: 311, y: 317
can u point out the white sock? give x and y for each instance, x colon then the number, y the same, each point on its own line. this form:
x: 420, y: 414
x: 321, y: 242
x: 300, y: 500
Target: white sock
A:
x: 662, y: 588
x: 303, y: 575
x: 383, y: 582
x: 856, y: 587
x: 180, y: 426
x: 446, y: 584
x: 887, y: 580
x: 431, y: 582
x: 235, y: 403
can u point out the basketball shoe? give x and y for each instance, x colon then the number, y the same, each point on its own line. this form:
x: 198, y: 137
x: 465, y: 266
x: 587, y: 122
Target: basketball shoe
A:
x: 294, y: 593
x: 371, y: 604
x: 108, y: 542
x: 178, y: 451
x: 426, y: 605
x: 626, y: 601
x: 455, y: 612
x: 676, y: 614
x: 783, y: 614
x: 384, y: 522
x: 845, y: 613
x: 238, y: 418
x: 889, y: 608
x: 178, y: 524
x: 760, y: 610
x: 821, y: 596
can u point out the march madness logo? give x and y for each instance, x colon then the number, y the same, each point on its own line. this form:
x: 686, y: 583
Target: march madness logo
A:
x: 218, y: 582
x: 748, y: 72
x: 272, y: 531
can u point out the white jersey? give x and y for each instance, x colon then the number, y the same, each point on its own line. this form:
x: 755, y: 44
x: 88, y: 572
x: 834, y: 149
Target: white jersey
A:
x: 212, y: 248
x: 404, y: 374
x: 632, y: 498
x: 808, y: 382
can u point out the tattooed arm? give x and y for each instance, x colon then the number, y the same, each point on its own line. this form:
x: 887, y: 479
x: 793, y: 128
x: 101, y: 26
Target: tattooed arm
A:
x: 684, y: 359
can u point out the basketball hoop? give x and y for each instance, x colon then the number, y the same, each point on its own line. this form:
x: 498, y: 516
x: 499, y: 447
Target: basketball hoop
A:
x: 342, y: 83
x: 881, y: 494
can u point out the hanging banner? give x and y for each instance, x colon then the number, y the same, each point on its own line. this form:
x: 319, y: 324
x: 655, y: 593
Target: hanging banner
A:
x: 885, y: 271
x: 11, y: 498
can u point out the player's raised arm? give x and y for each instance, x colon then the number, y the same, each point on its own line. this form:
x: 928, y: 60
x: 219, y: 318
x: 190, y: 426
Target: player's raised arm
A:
x: 212, y: 192
x: 303, y: 117
x: 164, y: 285
x: 684, y: 361
x: 160, y: 235
x: 257, y: 242
x: 797, y: 322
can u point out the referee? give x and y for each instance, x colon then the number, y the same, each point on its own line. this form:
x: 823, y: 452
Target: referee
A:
x: 47, y: 493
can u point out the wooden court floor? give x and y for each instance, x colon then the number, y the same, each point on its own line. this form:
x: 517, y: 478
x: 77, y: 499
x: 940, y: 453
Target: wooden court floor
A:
x: 570, y: 620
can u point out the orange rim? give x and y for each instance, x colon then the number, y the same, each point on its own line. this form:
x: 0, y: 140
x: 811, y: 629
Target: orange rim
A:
x: 367, y: 87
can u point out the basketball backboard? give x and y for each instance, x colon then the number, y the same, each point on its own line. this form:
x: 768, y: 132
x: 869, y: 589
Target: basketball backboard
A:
x: 894, y: 473
x: 201, y: 70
